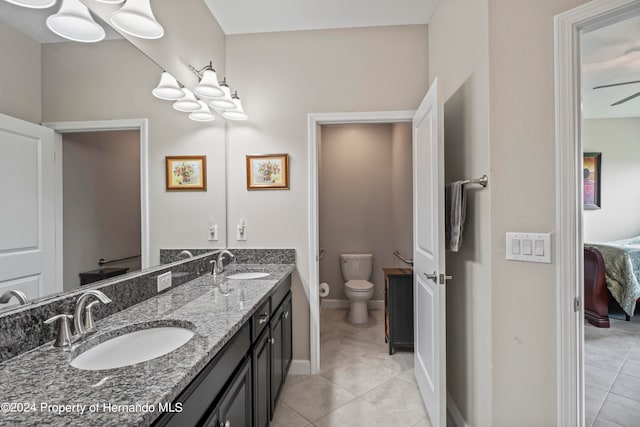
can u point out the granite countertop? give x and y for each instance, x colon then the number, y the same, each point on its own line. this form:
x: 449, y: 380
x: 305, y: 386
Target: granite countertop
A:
x: 42, y: 388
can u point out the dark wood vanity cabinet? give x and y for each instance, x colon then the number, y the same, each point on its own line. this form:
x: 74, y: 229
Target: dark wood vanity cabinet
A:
x: 240, y: 386
x: 398, y: 307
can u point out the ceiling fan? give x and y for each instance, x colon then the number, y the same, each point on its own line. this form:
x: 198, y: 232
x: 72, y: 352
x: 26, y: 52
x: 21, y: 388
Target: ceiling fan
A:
x: 628, y: 98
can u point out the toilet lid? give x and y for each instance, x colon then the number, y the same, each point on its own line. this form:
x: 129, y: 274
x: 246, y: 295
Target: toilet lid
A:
x: 359, y: 285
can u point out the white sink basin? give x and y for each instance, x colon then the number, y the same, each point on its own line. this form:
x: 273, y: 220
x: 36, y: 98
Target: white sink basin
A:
x: 248, y: 275
x: 132, y: 348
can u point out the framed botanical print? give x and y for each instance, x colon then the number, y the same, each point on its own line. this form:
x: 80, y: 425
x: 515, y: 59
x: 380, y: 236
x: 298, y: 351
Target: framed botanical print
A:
x: 268, y: 172
x: 186, y: 173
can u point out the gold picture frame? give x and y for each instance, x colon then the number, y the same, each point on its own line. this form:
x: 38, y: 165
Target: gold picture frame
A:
x: 268, y: 172
x: 186, y: 173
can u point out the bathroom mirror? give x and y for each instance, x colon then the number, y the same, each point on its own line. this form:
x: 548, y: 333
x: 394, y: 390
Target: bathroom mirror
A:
x: 110, y: 81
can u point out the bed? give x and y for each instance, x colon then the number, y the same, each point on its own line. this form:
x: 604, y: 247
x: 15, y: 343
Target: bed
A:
x: 611, y: 270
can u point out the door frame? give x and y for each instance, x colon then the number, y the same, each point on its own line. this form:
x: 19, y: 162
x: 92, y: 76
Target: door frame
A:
x: 142, y: 125
x: 569, y: 220
x: 314, y: 121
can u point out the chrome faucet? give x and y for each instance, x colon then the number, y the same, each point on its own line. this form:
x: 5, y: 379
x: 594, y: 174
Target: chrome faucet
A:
x: 20, y: 296
x: 80, y: 318
x: 185, y: 254
x: 217, y: 266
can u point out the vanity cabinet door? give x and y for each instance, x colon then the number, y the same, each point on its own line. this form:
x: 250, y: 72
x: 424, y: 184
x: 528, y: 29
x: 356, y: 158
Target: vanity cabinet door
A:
x: 276, y: 356
x: 235, y: 408
x: 287, y: 336
x: 261, y: 380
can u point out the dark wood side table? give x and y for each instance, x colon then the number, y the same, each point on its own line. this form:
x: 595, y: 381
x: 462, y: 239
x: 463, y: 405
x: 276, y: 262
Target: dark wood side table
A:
x: 398, y: 307
x: 100, y: 274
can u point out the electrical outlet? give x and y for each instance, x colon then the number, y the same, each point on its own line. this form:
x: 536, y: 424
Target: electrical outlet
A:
x: 164, y: 281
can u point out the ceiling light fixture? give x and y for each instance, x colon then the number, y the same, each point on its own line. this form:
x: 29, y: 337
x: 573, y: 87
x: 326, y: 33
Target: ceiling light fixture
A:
x: 136, y: 18
x: 237, y: 113
x: 225, y: 102
x: 33, y: 4
x: 208, y: 86
x: 203, y: 114
x: 168, y: 88
x: 188, y: 103
x: 74, y: 22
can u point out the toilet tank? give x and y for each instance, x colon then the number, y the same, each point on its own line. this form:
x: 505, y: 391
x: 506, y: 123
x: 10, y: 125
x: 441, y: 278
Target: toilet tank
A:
x: 356, y: 266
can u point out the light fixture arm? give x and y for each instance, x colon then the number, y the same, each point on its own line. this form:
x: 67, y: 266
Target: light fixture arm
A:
x: 203, y: 69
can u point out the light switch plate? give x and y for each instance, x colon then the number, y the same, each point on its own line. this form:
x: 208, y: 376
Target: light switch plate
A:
x: 164, y: 281
x: 213, y: 233
x: 241, y: 235
x: 529, y: 247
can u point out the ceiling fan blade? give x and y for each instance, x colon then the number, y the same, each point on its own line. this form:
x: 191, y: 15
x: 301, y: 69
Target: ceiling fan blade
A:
x: 628, y: 98
x: 617, y: 84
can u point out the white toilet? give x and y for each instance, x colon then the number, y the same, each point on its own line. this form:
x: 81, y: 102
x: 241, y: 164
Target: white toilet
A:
x: 356, y: 270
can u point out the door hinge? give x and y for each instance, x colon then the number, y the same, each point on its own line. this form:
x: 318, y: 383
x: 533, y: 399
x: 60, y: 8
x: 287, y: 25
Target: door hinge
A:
x: 576, y: 304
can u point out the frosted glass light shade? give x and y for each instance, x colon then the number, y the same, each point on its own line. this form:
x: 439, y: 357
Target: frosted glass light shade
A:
x: 74, y: 22
x: 110, y: 1
x: 208, y: 86
x: 33, y: 4
x: 237, y: 113
x: 168, y: 88
x: 136, y: 18
x: 188, y: 103
x: 225, y: 102
x: 203, y: 114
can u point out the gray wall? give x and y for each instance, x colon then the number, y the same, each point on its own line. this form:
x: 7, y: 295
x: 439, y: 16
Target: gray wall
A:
x: 618, y: 141
x: 101, y: 201
x: 20, y: 75
x: 363, y: 198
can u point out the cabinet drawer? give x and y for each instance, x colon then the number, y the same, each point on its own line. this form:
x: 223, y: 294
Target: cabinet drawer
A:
x: 260, y: 320
x: 280, y: 293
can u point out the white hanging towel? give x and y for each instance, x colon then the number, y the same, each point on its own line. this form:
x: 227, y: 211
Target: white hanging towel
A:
x: 456, y: 207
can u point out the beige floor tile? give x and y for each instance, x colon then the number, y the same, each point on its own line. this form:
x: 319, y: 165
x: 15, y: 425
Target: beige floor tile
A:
x: 287, y: 417
x: 359, y: 413
x: 358, y: 377
x: 408, y: 376
x: 425, y: 422
x: 620, y: 410
x: 315, y: 397
x: 627, y: 386
x: 332, y: 357
x: 395, y: 364
x: 399, y: 399
x: 599, y: 378
x: 593, y: 400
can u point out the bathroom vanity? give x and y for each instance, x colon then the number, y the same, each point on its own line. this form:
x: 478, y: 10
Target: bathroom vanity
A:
x: 229, y: 373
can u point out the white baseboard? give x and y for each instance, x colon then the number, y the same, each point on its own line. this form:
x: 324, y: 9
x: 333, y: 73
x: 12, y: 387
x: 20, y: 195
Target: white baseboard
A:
x: 454, y: 411
x: 300, y: 367
x: 377, y: 304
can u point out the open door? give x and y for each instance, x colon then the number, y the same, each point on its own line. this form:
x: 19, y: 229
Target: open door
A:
x: 429, y: 255
x: 27, y: 220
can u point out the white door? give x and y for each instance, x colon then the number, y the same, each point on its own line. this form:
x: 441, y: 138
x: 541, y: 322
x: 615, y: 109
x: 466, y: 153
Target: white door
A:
x: 27, y: 216
x: 428, y: 255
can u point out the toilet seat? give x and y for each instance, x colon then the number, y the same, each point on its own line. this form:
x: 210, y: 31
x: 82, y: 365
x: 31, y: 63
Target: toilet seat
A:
x: 359, y: 285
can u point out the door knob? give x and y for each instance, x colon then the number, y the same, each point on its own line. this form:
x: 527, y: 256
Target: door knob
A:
x: 433, y: 276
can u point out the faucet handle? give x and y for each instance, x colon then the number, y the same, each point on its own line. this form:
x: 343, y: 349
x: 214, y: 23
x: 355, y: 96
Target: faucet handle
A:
x: 64, y: 338
x: 89, y: 324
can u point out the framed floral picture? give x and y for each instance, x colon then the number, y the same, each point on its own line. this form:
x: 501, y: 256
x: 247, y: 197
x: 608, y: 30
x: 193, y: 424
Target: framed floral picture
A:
x: 591, y: 168
x: 186, y: 173
x: 268, y: 172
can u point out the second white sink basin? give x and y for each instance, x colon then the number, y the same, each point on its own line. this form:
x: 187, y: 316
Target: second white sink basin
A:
x: 134, y: 347
x: 248, y: 275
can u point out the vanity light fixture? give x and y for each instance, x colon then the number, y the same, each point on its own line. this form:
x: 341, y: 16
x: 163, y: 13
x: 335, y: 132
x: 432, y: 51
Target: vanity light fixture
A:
x: 136, y: 18
x: 225, y: 102
x: 237, y: 113
x: 111, y: 1
x: 33, y: 4
x: 208, y: 86
x: 188, y: 103
x: 203, y: 114
x: 168, y: 88
x: 74, y: 22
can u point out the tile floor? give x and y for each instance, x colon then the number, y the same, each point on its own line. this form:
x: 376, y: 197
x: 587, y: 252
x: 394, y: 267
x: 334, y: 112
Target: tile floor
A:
x: 612, y: 373
x: 359, y: 383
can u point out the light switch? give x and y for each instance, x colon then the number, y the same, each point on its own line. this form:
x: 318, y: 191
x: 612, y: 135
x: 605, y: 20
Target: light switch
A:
x: 528, y: 247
